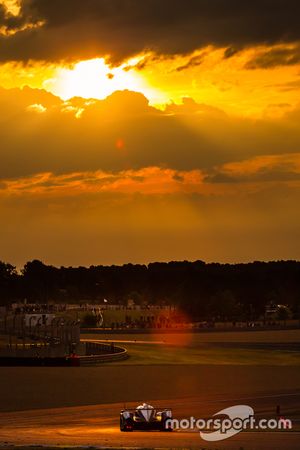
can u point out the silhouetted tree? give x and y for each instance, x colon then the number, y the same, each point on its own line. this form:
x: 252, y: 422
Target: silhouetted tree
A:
x: 202, y: 291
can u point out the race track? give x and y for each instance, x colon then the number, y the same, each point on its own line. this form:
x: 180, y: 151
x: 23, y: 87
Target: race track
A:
x: 80, y: 406
x: 98, y: 425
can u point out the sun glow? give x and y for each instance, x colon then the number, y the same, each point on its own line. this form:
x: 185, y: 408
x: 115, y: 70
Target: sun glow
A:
x: 95, y: 79
x: 12, y: 6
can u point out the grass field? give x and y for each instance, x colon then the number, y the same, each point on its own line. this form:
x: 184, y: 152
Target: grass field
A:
x: 155, y: 354
x: 188, y: 339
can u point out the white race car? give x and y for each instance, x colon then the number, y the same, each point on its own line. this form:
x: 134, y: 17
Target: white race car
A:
x: 145, y: 417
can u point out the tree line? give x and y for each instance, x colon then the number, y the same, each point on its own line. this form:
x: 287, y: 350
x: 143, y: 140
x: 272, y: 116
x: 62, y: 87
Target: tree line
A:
x: 204, y: 291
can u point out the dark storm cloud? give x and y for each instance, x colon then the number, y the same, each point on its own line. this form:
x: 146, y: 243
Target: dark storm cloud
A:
x: 2, y: 14
x: 12, y: 22
x: 193, y: 62
x: 275, y: 57
x: 120, y: 28
x: 230, y: 51
x: 39, y: 133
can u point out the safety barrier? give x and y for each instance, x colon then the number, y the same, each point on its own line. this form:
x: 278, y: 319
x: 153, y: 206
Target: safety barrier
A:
x: 98, y: 353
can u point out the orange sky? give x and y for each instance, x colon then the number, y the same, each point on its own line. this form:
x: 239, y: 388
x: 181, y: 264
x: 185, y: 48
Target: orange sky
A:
x: 146, y: 151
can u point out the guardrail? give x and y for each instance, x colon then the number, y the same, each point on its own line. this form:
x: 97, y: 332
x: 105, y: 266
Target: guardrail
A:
x: 119, y: 354
x: 98, y: 353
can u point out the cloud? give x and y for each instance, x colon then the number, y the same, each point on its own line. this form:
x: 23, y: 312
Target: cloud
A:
x: 279, y: 168
x: 73, y: 29
x: 160, y: 181
x: 190, y: 106
x: 193, y: 62
x: 12, y: 21
x: 188, y: 182
x: 148, y: 180
x: 117, y: 227
x: 277, y: 56
x: 85, y: 135
x: 14, y: 101
x: 288, y: 86
x: 37, y: 107
x: 231, y: 51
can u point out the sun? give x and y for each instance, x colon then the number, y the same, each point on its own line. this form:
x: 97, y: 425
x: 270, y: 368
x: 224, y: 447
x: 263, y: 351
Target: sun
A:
x: 95, y: 79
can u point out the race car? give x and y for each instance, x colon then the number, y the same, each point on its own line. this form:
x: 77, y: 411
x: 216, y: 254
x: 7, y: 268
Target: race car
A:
x: 145, y: 417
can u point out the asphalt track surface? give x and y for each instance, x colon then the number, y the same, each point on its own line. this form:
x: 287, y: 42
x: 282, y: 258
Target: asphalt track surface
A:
x: 98, y: 425
x: 81, y: 406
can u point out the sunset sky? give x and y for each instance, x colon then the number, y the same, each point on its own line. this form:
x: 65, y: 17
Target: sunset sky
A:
x: 136, y: 131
